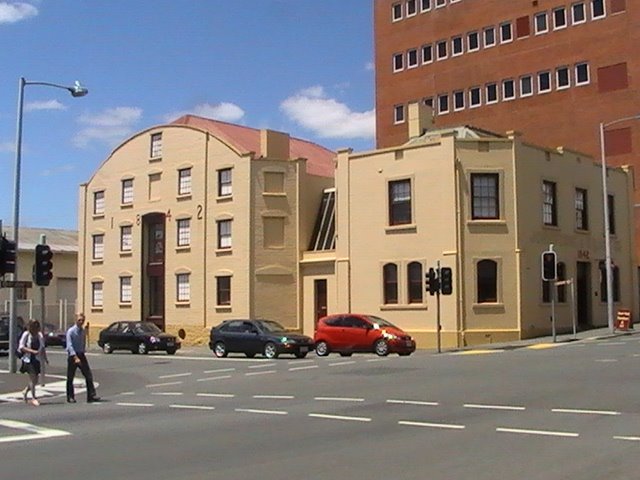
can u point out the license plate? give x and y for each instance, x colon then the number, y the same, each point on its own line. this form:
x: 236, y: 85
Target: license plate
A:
x: 408, y: 343
x: 304, y: 349
x: 169, y: 344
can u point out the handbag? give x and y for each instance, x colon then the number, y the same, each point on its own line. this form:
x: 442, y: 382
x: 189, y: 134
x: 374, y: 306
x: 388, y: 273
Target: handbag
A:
x: 19, y: 353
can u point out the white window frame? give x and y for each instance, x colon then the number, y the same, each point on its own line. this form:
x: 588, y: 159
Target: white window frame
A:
x: 475, y: 105
x: 446, y: 47
x: 484, y: 36
x: 441, y: 3
x: 522, y: 79
x: 155, y: 146
x: 458, y: 94
x: 97, y: 294
x: 469, y: 48
x: 97, y: 246
x: 568, y: 85
x: 487, y: 101
x: 546, y: 23
x: 573, y: 13
x: 183, y: 287
x: 415, y: 8
x: 416, y: 63
x: 604, y: 10
x: 504, y: 90
x: 564, y: 14
x: 502, y: 37
x: 584, y: 82
x: 184, y: 181
x: 425, y: 5
x: 99, y: 202
x: 183, y: 232
x: 429, y: 48
x: 398, y: 56
x: 126, y: 289
x: 442, y: 111
x: 224, y: 240
x: 459, y: 39
x: 399, y: 115
x: 225, y: 190
x: 394, y: 17
x: 126, y: 197
x: 539, y: 75
x: 126, y: 238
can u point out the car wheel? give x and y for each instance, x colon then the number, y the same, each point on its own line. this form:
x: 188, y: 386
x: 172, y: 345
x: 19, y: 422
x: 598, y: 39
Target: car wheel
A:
x: 301, y: 354
x: 220, y: 349
x: 381, y: 347
x: 107, y: 348
x: 346, y: 354
x: 322, y: 349
x: 171, y: 351
x: 142, y: 348
x: 270, y: 350
x: 249, y: 354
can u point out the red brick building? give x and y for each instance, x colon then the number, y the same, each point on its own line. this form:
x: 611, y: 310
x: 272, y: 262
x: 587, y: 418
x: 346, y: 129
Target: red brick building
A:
x: 552, y: 70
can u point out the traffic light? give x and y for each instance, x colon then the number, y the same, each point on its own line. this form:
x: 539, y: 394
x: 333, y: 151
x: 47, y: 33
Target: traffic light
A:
x: 42, y: 269
x: 7, y: 256
x: 446, y: 281
x: 549, y: 265
x: 432, y: 283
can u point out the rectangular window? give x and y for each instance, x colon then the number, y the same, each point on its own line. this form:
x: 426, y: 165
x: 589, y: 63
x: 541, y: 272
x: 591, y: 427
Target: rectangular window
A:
x: 526, y: 86
x: 411, y: 8
x: 582, y: 222
x: 184, y: 181
x: 441, y: 49
x: 126, y: 290
x: 458, y: 100
x: 562, y: 78
x: 559, y: 18
x: 224, y: 234
x: 400, y: 202
x: 443, y: 103
x: 473, y: 42
x: 544, y: 82
x: 223, y: 290
x: 489, y: 37
x: 154, y: 186
x: 578, y: 13
x: 183, y: 288
x: 398, y: 114
x: 612, y: 214
x: 427, y: 54
x: 224, y: 182
x: 156, y: 145
x: 523, y: 27
x: 475, y: 97
x: 274, y: 182
x: 184, y: 232
x: 273, y: 232
x: 484, y: 196
x: 508, y: 90
x: 412, y: 58
x: 98, y: 247
x: 127, y: 192
x: 506, y: 32
x: 398, y: 62
x: 541, y: 23
x: 549, y: 205
x: 492, y: 93
x: 97, y: 299
x: 396, y: 12
x: 582, y: 74
x: 597, y: 9
x: 126, y: 238
x: 457, y: 46
x: 425, y: 5
x: 440, y: 3
x: 615, y: 277
x: 98, y: 203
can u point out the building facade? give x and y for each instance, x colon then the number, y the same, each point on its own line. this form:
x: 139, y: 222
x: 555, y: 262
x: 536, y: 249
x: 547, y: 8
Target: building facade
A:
x: 198, y: 221
x: 552, y: 70
x: 487, y: 206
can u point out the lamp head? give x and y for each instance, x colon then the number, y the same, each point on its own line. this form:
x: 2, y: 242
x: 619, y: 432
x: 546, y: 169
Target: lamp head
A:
x: 78, y: 90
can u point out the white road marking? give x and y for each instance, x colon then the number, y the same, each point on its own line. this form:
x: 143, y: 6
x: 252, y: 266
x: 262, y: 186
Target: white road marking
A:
x: 155, y: 385
x: 260, y: 373
x: 221, y: 377
x: 588, y: 412
x: 220, y: 370
x: 548, y: 433
x: 298, y: 362
x: 216, y: 395
x: 168, y: 394
x: 264, y: 365
x: 293, y: 369
x: 349, y: 362
x: 611, y: 343
x: 493, y: 407
x: 132, y: 404
x: 208, y: 359
x: 275, y: 397
x: 191, y: 407
x: 413, y: 402
x: 606, y: 360
x: 128, y: 393
x: 432, y: 425
x: 266, y: 412
x: 35, y: 432
x: 631, y: 439
x: 340, y: 417
x: 339, y: 399
x: 176, y: 375
x: 377, y: 360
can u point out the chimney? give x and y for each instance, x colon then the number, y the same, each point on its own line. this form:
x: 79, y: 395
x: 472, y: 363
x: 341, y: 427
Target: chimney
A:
x: 420, y: 119
x: 274, y: 145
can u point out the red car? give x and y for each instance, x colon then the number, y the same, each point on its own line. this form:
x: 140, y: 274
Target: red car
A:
x: 349, y: 332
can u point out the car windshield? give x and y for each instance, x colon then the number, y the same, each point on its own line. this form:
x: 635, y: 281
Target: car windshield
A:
x: 146, y: 327
x: 380, y: 322
x: 271, y: 326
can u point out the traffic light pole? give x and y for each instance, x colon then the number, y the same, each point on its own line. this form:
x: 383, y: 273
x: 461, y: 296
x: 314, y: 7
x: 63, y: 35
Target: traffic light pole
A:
x: 438, y: 325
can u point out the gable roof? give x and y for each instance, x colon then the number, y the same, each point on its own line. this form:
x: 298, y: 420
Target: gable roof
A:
x: 247, y: 139
x: 58, y: 240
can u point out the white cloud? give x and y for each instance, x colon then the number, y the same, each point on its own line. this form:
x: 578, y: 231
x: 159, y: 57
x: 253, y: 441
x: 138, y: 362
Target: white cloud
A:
x: 370, y: 66
x: 111, y: 126
x: 8, y: 147
x: 46, y: 105
x: 327, y: 117
x: 224, y: 111
x: 12, y: 12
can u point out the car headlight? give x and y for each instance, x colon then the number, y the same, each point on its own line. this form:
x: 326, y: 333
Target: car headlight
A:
x: 389, y: 336
x: 154, y: 339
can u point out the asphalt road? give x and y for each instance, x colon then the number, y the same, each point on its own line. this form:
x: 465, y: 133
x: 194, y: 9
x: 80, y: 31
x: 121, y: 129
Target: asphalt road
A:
x: 541, y: 412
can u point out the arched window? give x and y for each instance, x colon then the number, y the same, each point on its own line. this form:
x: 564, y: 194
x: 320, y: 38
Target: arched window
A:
x: 390, y: 274
x: 415, y: 282
x: 487, y: 281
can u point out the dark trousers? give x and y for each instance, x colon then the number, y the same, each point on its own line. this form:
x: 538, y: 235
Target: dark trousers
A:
x: 86, y: 371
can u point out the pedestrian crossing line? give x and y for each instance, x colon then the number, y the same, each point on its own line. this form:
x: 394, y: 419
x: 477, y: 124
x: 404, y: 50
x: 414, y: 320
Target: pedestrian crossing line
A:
x: 432, y: 425
x: 191, y: 407
x: 630, y: 439
x: 548, y: 433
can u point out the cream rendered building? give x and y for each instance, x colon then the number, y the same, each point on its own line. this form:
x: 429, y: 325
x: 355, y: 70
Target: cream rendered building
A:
x: 194, y: 222
x: 487, y: 206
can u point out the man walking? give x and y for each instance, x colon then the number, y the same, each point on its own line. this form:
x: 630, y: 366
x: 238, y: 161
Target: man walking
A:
x: 76, y: 358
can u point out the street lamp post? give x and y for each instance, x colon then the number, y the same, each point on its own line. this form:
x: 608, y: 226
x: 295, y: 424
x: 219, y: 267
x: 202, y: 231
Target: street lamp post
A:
x: 607, y: 226
x: 76, y: 90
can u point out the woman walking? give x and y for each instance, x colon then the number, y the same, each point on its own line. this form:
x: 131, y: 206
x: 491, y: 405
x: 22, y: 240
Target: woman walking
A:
x: 33, y: 351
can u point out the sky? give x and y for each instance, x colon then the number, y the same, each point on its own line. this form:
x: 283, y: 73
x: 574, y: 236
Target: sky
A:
x: 304, y: 67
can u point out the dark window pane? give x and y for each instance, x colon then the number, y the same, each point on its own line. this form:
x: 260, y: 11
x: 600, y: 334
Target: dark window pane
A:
x: 487, y: 281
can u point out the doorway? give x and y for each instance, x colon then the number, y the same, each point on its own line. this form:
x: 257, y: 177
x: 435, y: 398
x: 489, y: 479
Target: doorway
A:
x: 320, y: 300
x: 583, y: 293
x: 153, y: 266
